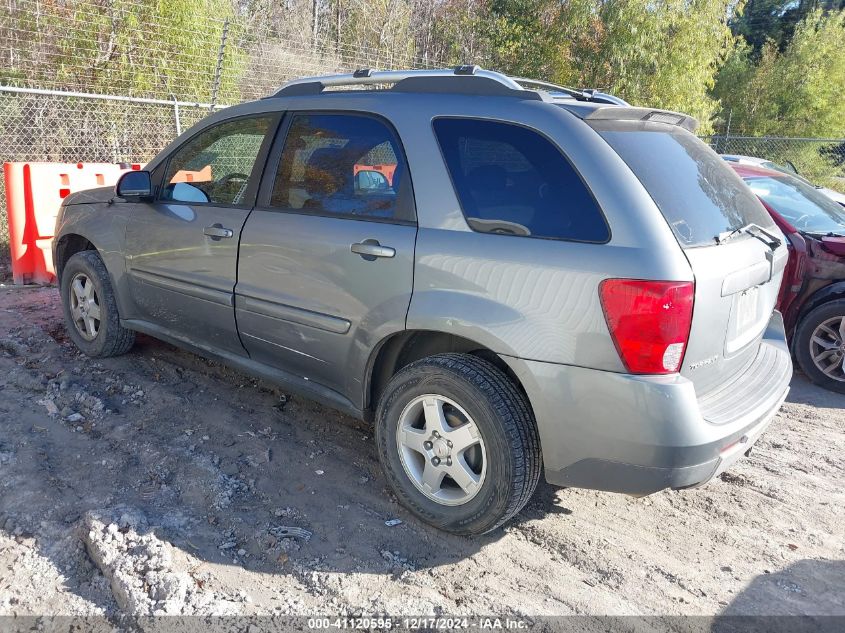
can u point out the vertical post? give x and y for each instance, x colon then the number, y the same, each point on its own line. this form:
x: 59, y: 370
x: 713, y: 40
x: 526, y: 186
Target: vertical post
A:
x: 727, y: 131
x: 176, y: 116
x: 337, y: 27
x: 218, y: 71
x: 315, y: 25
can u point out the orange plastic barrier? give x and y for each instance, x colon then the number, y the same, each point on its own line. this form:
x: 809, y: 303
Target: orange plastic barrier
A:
x: 34, y: 193
x: 386, y: 170
x: 183, y: 175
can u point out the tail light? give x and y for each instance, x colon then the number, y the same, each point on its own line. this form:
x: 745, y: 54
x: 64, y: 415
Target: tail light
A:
x: 649, y: 322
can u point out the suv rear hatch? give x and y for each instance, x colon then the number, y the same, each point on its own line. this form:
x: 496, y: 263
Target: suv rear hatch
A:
x: 735, y: 250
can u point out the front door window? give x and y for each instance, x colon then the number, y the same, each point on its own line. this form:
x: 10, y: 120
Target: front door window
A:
x: 215, y: 167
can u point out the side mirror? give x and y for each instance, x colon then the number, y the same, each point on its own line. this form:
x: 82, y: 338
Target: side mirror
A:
x: 134, y: 186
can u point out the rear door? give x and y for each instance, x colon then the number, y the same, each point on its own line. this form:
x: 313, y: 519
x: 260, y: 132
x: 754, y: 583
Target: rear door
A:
x: 182, y: 249
x: 737, y: 275
x: 327, y: 257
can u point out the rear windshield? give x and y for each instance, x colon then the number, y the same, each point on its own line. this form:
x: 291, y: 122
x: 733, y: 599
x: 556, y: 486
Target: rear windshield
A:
x: 698, y: 194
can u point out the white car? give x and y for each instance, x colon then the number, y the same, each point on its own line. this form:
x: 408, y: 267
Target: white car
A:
x: 789, y: 168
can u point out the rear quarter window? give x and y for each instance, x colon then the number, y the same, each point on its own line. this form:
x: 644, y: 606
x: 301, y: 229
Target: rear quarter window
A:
x: 511, y: 180
x: 697, y: 193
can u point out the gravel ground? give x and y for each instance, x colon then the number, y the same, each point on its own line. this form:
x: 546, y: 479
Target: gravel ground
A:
x: 160, y: 482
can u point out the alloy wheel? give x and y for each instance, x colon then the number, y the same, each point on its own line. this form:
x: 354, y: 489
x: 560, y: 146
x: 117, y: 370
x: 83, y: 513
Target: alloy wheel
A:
x: 84, y: 306
x: 827, y: 347
x: 441, y: 450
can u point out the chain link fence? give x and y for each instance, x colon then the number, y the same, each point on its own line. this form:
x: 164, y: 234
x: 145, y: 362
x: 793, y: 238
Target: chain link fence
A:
x: 117, y: 80
x: 820, y: 160
x: 166, y: 51
x: 57, y: 127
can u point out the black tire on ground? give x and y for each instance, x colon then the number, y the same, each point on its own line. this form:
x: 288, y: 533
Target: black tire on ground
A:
x: 803, y: 335
x: 506, y: 424
x: 111, y: 338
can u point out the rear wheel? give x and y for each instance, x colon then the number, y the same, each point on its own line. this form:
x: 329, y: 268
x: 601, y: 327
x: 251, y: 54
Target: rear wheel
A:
x: 90, y: 308
x: 820, y: 345
x: 458, y: 443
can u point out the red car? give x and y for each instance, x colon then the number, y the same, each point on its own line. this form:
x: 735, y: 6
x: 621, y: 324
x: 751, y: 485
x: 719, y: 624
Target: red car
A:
x: 812, y: 297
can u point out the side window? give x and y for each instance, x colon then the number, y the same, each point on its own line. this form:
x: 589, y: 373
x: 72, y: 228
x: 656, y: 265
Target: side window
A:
x: 215, y: 166
x: 513, y: 181
x: 342, y: 164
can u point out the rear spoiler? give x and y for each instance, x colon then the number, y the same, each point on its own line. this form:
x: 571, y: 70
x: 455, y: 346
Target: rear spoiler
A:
x: 594, y: 112
x: 616, y: 113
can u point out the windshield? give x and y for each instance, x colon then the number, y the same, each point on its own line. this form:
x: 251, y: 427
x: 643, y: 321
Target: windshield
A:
x: 695, y: 190
x: 801, y: 205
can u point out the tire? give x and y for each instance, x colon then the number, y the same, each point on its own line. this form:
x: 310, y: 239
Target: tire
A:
x: 822, y: 330
x: 479, y: 404
x: 108, y: 337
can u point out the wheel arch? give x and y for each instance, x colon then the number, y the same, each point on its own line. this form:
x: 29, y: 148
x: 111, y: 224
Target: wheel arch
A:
x: 831, y: 297
x: 403, y: 348
x: 831, y: 292
x: 67, y: 246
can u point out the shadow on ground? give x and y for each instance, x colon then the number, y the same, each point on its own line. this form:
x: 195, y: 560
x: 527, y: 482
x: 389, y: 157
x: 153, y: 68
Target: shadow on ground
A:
x: 806, y: 597
x: 224, y: 467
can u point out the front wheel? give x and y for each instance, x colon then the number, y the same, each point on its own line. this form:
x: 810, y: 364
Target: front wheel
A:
x: 458, y: 443
x: 90, y: 307
x: 820, y: 345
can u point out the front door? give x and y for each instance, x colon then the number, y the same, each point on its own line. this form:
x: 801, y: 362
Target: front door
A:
x: 182, y: 249
x: 327, y: 257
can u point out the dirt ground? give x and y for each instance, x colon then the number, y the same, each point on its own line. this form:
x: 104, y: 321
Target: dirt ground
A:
x: 159, y: 482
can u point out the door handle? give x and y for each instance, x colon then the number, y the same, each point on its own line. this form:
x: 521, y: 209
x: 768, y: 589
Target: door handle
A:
x: 371, y: 249
x: 217, y: 231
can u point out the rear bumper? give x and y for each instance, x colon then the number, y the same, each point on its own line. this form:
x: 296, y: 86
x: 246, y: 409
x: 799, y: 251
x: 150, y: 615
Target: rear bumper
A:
x: 641, y: 434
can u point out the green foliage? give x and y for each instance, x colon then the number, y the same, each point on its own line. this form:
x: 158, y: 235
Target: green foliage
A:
x: 450, y: 31
x: 667, y: 55
x: 762, y: 21
x: 797, y: 92
x: 124, y: 46
x: 379, y: 25
x: 662, y: 53
x: 522, y: 36
x: 773, y: 21
x: 781, y: 71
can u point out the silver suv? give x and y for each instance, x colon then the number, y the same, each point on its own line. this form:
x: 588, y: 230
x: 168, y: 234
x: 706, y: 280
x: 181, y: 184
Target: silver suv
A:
x: 508, y: 277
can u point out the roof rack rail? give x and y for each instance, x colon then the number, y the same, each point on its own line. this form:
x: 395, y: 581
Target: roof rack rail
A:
x: 587, y: 94
x: 550, y: 87
x: 369, y: 77
x: 488, y: 83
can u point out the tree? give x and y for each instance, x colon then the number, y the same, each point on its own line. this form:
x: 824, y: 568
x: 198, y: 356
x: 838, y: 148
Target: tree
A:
x: 797, y: 92
x: 664, y: 53
x: 759, y: 22
x: 380, y: 29
x: 522, y: 36
x: 449, y: 32
x: 159, y: 47
x: 762, y: 21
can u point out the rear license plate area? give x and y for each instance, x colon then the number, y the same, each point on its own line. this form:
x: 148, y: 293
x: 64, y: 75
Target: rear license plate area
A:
x: 746, y: 309
x: 745, y: 319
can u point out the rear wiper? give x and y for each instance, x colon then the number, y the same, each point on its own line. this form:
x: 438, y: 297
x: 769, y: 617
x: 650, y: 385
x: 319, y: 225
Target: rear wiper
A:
x: 767, y: 237
x: 754, y: 230
x: 721, y: 238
